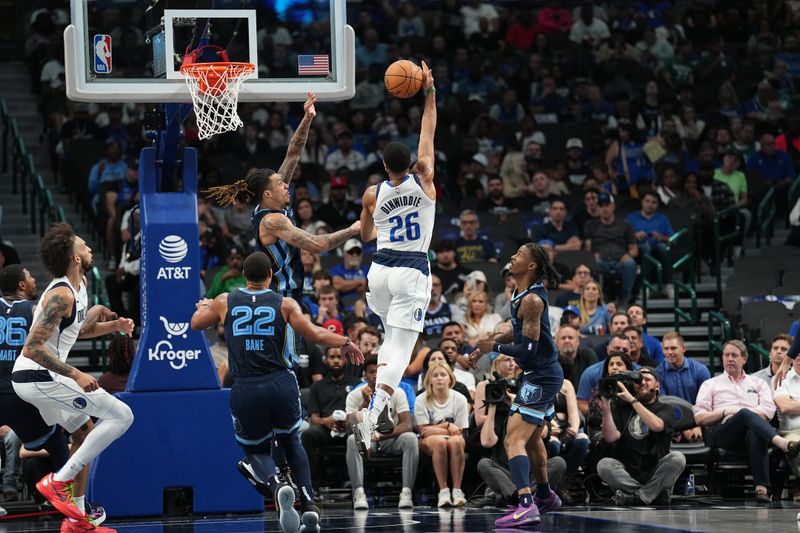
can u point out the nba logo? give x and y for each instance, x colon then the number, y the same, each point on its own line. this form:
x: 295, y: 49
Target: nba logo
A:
x: 102, y: 54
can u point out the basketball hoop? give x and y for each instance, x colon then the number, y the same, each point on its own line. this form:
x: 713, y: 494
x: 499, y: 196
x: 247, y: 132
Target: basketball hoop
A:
x: 215, y: 91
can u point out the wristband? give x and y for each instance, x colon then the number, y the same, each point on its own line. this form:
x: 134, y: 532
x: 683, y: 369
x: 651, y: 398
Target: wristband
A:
x: 347, y: 342
x: 430, y: 90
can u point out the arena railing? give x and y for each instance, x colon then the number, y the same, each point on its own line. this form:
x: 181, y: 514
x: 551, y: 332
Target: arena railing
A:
x: 721, y: 238
x: 717, y: 319
x: 765, y: 216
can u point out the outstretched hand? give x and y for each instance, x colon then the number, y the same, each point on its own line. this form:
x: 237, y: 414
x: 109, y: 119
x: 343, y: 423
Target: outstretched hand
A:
x: 427, y: 77
x: 353, y: 353
x: 308, y: 107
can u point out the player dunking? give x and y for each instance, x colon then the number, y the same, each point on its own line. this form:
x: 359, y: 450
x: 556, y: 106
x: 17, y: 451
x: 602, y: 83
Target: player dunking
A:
x: 277, y: 234
x: 63, y: 394
x: 265, y: 399
x: 535, y: 352
x: 400, y: 213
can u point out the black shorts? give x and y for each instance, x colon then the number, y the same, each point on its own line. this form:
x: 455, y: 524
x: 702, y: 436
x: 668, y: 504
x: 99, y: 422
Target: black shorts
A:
x: 265, y: 406
x: 23, y: 418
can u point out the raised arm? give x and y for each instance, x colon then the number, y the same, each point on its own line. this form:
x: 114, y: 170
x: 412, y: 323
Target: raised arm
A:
x: 425, y: 151
x: 100, y: 321
x: 298, y: 141
x: 56, y: 305
x: 368, y: 230
x: 277, y: 226
x: 210, y: 312
x: 300, y: 322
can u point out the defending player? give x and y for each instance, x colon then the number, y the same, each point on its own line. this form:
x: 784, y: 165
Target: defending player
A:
x: 400, y: 213
x: 63, y: 394
x: 535, y: 352
x: 265, y: 399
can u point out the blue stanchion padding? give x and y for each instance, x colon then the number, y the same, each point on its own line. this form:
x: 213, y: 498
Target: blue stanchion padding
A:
x: 170, y: 356
x: 178, y: 439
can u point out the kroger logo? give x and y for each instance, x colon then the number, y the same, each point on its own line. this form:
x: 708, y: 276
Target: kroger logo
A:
x: 173, y: 249
x: 164, y: 351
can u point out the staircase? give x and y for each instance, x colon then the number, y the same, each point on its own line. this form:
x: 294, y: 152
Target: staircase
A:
x: 15, y: 225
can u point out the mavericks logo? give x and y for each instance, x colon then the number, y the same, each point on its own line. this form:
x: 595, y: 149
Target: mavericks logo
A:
x: 79, y: 403
x: 173, y: 249
x: 164, y: 350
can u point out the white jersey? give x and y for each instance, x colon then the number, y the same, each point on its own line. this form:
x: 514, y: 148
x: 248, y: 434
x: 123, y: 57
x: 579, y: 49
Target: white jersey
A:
x: 63, y: 339
x: 404, y: 216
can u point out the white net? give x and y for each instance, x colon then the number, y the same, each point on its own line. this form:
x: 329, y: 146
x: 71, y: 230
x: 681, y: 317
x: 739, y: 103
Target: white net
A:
x: 215, y: 95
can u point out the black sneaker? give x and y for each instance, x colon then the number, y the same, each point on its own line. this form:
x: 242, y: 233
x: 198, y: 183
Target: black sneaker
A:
x: 246, y: 470
x: 309, y: 518
x: 385, y: 424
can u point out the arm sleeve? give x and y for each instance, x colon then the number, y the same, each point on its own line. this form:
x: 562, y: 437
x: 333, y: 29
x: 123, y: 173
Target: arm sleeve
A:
x: 352, y: 403
x: 704, y: 402
x: 420, y: 415
x: 585, y: 386
x: 313, y: 404
x: 401, y: 401
x: 765, y: 404
x: 795, y: 348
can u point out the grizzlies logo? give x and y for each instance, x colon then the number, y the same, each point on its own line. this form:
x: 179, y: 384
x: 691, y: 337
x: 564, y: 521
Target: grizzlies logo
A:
x: 418, y: 314
x: 529, y: 393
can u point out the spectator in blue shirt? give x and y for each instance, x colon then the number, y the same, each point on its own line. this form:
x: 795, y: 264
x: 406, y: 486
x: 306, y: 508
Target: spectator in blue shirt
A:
x: 350, y: 276
x: 471, y: 247
x: 776, y: 169
x: 111, y: 169
x: 681, y: 376
x: 638, y: 318
x: 370, y: 51
x: 790, y: 56
x: 564, y: 234
x: 591, y: 376
x: 652, y: 230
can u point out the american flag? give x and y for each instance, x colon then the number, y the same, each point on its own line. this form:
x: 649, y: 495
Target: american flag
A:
x: 312, y: 65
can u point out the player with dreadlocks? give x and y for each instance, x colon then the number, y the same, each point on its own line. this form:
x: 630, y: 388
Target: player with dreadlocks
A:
x: 535, y: 352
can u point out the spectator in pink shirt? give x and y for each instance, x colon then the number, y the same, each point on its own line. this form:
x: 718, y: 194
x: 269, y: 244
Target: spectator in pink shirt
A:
x: 553, y: 18
x: 736, y: 408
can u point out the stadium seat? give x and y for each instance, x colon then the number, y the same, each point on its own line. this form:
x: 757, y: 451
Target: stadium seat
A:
x: 773, y: 325
x: 572, y: 259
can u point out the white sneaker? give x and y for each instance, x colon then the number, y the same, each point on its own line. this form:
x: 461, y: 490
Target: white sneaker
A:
x: 459, y: 498
x: 360, y: 500
x: 406, y: 499
x: 444, y: 498
x: 3, y: 512
x: 362, y: 431
x: 288, y: 517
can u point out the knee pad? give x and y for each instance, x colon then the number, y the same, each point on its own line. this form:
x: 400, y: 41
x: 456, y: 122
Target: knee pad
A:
x: 120, y: 414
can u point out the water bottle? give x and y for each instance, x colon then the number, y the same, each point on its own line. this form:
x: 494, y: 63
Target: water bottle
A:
x: 689, y: 489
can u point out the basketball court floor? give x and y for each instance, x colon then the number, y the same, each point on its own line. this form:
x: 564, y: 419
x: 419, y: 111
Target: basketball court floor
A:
x: 730, y: 517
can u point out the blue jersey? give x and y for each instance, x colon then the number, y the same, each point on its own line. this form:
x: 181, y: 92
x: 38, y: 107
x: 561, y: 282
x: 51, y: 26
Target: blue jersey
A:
x: 287, y: 269
x: 256, y: 333
x: 547, y: 354
x: 16, y: 319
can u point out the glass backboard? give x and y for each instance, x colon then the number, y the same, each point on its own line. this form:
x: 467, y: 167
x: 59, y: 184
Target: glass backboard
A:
x: 131, y: 50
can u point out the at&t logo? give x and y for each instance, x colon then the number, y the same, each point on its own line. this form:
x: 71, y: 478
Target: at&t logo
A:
x: 173, y: 249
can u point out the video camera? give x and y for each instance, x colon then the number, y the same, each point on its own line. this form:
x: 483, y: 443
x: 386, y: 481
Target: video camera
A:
x: 496, y: 390
x: 607, y: 386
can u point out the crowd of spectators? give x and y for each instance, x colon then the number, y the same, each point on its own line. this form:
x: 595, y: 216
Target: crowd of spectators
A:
x: 601, y: 127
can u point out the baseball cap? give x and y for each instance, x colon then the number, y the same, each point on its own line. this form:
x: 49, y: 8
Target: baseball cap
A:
x: 338, y: 181
x: 546, y: 242
x: 334, y: 325
x: 480, y: 159
x: 477, y: 275
x: 650, y: 370
x: 234, y: 250
x: 351, y: 244
x: 572, y: 309
x: 574, y: 142
x: 604, y: 198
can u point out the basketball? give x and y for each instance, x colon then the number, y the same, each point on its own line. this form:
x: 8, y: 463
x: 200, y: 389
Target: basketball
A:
x: 403, y: 78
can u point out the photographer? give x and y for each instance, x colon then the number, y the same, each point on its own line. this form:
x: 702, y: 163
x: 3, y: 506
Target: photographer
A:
x: 566, y: 439
x: 494, y: 399
x: 641, y: 469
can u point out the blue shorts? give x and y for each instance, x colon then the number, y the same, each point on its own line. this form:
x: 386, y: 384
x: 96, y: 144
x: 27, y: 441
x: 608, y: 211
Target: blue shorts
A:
x: 264, y: 406
x: 536, y: 394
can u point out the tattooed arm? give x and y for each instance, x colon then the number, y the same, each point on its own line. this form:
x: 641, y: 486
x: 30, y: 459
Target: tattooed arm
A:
x: 56, y: 304
x: 100, y: 321
x: 276, y: 226
x: 298, y: 141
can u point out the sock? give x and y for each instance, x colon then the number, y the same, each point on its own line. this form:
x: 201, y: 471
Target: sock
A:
x: 526, y: 499
x: 298, y: 461
x: 543, y: 490
x: 265, y: 467
x: 277, y: 455
x: 520, y: 468
x: 379, y: 400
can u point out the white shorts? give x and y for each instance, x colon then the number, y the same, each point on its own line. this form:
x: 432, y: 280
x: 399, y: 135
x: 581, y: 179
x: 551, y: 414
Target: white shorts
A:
x: 65, y: 403
x: 399, y: 295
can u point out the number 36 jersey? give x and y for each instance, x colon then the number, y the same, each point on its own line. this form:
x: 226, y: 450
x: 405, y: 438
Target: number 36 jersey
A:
x: 255, y: 332
x: 404, y: 216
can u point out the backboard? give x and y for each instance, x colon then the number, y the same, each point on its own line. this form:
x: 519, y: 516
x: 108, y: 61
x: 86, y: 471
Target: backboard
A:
x: 131, y: 50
